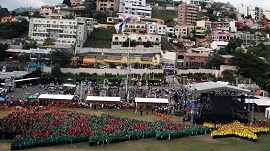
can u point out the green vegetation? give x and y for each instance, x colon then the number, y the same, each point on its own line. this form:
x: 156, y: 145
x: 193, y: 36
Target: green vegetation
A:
x: 97, y: 43
x: 100, y: 38
x: 166, y: 15
x: 13, y: 29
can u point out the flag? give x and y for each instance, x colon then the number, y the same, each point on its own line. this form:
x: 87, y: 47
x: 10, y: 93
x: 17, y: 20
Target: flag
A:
x: 122, y: 25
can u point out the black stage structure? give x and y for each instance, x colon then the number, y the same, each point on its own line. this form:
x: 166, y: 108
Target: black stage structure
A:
x: 218, y: 103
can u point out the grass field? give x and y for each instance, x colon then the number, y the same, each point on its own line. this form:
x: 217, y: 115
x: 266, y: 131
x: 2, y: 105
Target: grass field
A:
x: 195, y: 143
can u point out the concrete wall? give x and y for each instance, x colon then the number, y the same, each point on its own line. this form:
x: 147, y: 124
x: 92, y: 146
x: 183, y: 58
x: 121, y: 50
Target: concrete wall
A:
x: 119, y: 50
x: 135, y: 71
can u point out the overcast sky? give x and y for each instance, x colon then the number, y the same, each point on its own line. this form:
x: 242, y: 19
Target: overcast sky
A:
x: 12, y: 4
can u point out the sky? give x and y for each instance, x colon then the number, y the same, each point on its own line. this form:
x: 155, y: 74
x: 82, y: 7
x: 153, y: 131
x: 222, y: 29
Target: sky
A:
x: 12, y: 4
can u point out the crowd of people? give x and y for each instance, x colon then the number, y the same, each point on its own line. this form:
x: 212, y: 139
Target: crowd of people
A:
x: 236, y: 129
x: 35, y: 129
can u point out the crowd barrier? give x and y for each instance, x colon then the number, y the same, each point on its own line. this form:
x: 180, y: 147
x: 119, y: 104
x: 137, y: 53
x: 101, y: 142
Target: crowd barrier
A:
x: 164, y: 117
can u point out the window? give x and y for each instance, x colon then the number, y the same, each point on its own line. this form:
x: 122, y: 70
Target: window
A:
x: 191, y: 58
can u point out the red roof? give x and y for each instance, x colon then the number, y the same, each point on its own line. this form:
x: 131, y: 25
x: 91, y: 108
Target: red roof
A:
x: 196, y: 55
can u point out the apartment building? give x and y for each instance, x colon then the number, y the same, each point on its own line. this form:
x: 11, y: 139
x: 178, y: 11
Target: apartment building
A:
x: 161, y: 30
x: 191, y: 60
x: 254, y: 11
x: 107, y: 5
x: 223, y: 27
x: 62, y: 31
x: 135, y: 27
x: 181, y: 31
x: 197, y: 2
x: 118, y: 40
x: 135, y: 7
x: 220, y: 37
x: 266, y: 13
x: 246, y: 37
x: 187, y: 14
x: 46, y: 10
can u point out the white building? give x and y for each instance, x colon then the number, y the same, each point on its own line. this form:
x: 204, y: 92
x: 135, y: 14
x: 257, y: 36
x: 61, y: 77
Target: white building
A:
x: 198, y: 1
x: 254, y: 11
x: 217, y: 45
x: 62, y: 31
x: 119, y: 39
x: 46, y: 10
x: 161, y: 30
x: 266, y: 13
x: 135, y: 7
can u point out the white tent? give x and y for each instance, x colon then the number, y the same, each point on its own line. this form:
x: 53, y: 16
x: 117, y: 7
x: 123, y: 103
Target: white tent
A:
x: 213, y: 86
x: 103, y: 99
x: 69, y: 85
x: 267, y: 113
x: 151, y: 100
x: 259, y: 100
x: 56, y: 97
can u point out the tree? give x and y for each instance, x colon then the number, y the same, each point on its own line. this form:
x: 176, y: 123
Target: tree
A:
x: 214, y: 61
x: 233, y: 44
x: 56, y: 71
x: 47, y: 42
x: 3, y: 12
x: 23, y: 57
x: 3, y: 48
x: 30, y: 43
x: 250, y: 66
x: 148, y: 44
x: 90, y: 7
x: 13, y: 29
x: 227, y: 75
x: 37, y: 15
x: 67, y: 2
x: 61, y: 58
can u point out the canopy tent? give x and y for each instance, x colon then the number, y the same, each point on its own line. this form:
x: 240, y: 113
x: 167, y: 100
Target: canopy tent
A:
x: 2, y: 99
x: 31, y: 98
x: 69, y: 85
x: 267, y: 113
x: 56, y: 98
x: 259, y: 101
x: 69, y: 80
x: 99, y: 99
x: 213, y: 86
x: 153, y: 101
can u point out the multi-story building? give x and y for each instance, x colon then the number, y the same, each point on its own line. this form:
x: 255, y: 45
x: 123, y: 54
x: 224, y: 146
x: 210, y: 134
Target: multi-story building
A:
x: 220, y: 37
x: 223, y: 27
x: 187, y: 14
x: 107, y: 5
x: 135, y: 7
x: 76, y: 2
x: 266, y: 13
x: 191, y: 60
x: 61, y: 31
x: 46, y: 10
x: 151, y: 28
x: 204, y: 23
x: 181, y: 31
x: 135, y: 27
x: 246, y: 38
x: 161, y: 30
x: 118, y: 40
x: 198, y: 1
x: 62, y: 9
x: 254, y: 11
